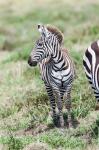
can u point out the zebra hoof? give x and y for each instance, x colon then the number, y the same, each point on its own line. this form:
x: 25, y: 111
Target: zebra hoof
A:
x: 55, y: 121
x: 70, y: 125
x: 61, y: 121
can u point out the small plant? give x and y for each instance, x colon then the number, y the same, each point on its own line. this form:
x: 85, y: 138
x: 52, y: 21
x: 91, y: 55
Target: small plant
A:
x: 13, y: 142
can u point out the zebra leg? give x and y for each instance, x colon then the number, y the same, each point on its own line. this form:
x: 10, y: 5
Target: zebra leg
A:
x: 68, y: 106
x: 60, y: 107
x: 97, y: 99
x: 52, y: 103
x: 96, y: 93
x: 97, y: 105
x: 62, y: 94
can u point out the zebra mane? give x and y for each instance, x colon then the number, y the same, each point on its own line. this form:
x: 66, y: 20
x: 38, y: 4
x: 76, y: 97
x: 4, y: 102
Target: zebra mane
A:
x: 55, y: 31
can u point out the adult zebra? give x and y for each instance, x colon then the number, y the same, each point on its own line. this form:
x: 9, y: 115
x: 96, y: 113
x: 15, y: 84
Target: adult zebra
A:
x: 57, y: 69
x: 91, y: 66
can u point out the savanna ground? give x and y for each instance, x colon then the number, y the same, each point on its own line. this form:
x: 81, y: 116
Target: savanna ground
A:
x: 22, y: 94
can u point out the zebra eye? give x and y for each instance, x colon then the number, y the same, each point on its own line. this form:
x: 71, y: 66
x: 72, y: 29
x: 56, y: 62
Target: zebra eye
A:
x: 39, y: 44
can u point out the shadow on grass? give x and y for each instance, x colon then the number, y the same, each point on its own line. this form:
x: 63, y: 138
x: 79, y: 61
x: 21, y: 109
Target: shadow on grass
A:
x: 40, y: 128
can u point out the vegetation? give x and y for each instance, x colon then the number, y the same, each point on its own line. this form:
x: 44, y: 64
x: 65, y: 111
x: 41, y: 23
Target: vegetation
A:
x: 22, y: 93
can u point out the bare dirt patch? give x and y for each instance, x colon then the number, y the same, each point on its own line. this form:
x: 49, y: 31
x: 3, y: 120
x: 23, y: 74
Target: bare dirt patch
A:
x: 37, y: 146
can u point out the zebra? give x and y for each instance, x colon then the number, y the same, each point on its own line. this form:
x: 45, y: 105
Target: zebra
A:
x: 91, y: 67
x: 57, y: 70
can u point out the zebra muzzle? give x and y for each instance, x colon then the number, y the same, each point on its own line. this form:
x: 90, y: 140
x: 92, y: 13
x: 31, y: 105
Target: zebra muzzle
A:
x: 32, y: 63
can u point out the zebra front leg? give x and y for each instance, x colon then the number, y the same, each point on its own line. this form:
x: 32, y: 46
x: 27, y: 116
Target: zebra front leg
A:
x: 68, y: 107
x: 52, y: 104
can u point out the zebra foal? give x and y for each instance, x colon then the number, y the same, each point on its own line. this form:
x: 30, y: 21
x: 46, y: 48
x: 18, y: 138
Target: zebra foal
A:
x: 57, y: 69
x: 91, y: 66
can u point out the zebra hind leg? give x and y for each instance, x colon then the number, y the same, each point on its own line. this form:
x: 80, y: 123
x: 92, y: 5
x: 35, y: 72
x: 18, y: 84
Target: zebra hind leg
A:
x: 68, y: 107
x: 97, y: 100
x: 60, y: 107
x: 52, y: 104
x: 96, y: 93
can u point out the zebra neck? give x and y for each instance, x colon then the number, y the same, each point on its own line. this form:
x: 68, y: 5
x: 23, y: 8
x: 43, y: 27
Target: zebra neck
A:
x: 58, y: 61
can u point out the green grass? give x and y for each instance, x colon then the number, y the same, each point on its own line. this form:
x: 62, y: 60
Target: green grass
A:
x: 22, y: 92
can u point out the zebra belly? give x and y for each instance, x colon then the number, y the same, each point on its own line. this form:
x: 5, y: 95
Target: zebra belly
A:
x: 57, y: 80
x: 61, y: 79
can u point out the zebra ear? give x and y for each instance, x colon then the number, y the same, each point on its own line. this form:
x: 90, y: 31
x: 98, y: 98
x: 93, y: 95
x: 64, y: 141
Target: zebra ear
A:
x: 43, y: 30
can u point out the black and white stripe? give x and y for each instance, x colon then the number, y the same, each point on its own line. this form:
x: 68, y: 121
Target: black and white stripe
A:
x: 91, y: 66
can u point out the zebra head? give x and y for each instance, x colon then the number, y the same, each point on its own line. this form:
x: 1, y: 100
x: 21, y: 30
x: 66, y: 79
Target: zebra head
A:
x: 44, y: 46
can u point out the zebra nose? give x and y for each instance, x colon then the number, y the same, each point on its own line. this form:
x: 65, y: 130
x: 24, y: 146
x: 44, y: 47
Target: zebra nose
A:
x: 32, y: 63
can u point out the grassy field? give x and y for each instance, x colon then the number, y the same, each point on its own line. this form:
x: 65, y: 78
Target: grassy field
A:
x: 22, y: 93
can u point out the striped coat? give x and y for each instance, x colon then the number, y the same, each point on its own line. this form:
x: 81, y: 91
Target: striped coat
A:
x: 56, y: 72
x: 91, y: 66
